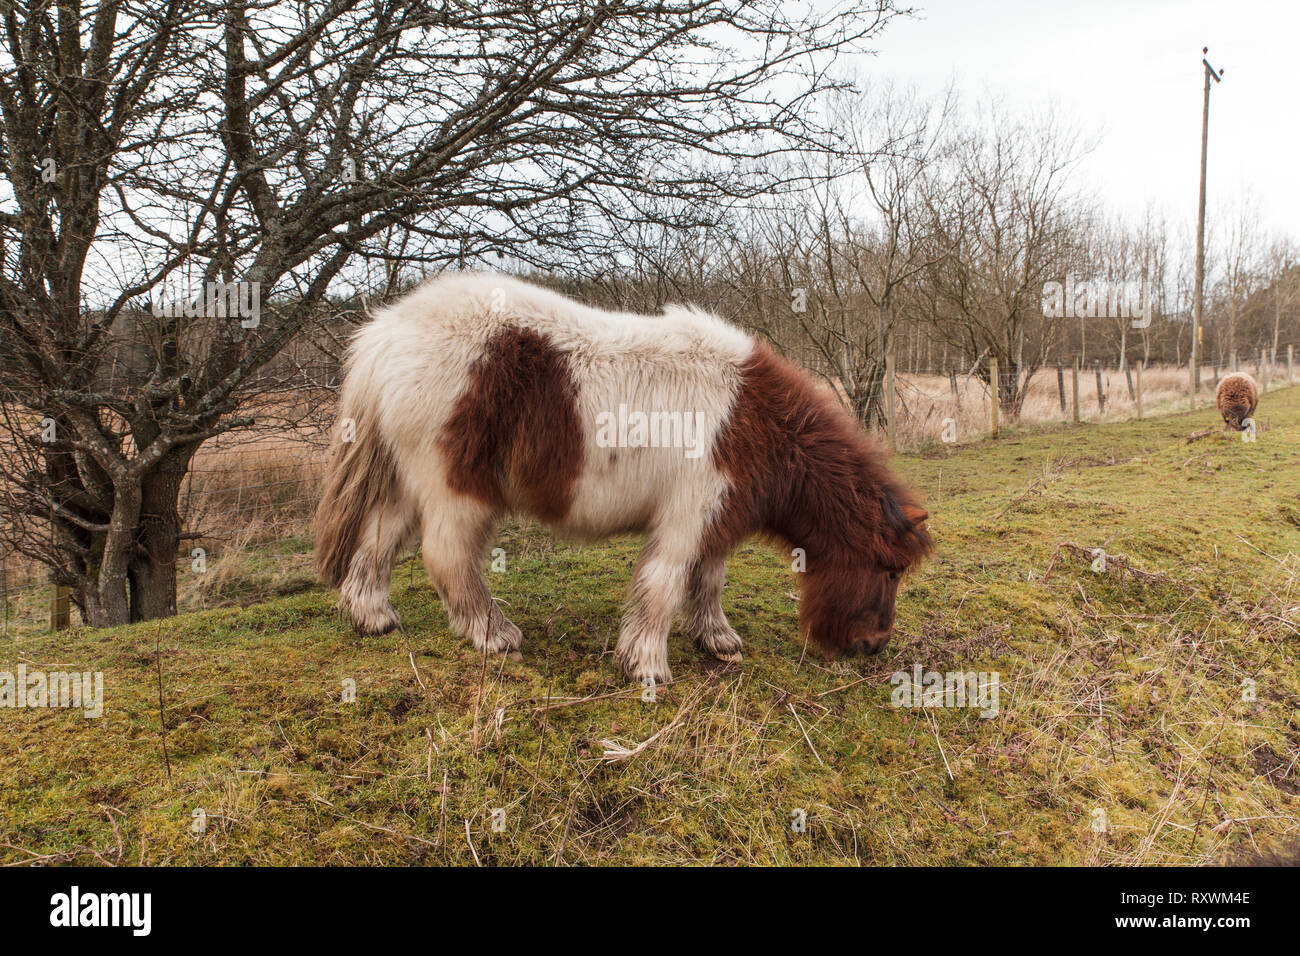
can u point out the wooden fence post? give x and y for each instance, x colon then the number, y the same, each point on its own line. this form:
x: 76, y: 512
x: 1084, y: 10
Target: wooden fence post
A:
x: 1139, y: 389
x: 1075, y: 385
x: 1290, y: 364
x: 1060, y: 385
x: 1265, y: 368
x: 1101, y: 395
x: 993, y: 396
x: 889, y: 399
x: 60, y: 610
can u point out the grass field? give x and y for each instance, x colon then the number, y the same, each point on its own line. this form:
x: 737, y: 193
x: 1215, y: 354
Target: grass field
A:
x: 1148, y: 713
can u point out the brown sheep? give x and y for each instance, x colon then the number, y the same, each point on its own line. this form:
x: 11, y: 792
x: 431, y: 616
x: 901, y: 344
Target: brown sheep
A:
x: 1236, y: 396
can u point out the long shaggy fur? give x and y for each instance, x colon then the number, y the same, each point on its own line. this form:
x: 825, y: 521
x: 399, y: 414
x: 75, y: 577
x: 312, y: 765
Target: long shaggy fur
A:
x: 1237, y: 396
x: 479, y: 395
x: 361, y: 474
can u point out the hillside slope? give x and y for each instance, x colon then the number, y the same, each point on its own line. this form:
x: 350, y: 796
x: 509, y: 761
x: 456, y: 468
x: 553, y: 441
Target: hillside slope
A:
x: 1147, y: 713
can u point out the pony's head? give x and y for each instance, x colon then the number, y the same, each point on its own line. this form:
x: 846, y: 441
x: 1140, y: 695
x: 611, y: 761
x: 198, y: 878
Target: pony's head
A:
x: 848, y: 599
x: 1235, y: 414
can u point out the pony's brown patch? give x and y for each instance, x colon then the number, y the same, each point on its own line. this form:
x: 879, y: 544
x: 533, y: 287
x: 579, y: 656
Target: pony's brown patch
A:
x: 1236, y: 397
x: 802, y: 469
x: 514, y: 435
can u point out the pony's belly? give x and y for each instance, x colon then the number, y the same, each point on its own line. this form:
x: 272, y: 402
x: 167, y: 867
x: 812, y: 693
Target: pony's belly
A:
x: 622, y: 492
x: 601, y: 510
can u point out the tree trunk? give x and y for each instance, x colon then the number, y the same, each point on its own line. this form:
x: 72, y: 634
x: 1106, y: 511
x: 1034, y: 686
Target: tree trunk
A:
x: 153, y: 566
x: 131, y: 574
x: 110, y: 604
x: 868, y: 402
x: 1277, y: 312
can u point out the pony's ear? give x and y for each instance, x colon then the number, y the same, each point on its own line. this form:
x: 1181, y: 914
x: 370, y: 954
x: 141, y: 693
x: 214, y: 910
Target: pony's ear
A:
x: 915, y: 514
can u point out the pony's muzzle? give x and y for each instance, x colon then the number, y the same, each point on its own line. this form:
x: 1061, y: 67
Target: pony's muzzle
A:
x: 868, y: 646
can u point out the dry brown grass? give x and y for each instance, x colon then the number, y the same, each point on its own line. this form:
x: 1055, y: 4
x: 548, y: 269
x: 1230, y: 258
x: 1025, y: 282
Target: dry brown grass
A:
x: 925, y: 401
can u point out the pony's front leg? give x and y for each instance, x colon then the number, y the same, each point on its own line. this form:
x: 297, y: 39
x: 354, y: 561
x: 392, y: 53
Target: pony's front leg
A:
x: 705, y: 621
x: 456, y: 536
x: 658, y: 587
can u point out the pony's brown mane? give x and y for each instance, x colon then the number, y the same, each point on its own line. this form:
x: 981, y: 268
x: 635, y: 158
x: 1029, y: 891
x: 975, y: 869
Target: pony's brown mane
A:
x: 802, y: 470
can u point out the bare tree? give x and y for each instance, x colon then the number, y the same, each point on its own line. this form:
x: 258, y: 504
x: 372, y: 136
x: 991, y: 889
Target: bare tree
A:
x: 1242, y: 255
x: 213, y: 157
x: 1283, y: 270
x: 895, y: 143
x: 1010, y: 229
x: 836, y: 256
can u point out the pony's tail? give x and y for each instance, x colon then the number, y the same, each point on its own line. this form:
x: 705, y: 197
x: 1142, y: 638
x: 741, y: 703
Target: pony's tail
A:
x: 360, y: 476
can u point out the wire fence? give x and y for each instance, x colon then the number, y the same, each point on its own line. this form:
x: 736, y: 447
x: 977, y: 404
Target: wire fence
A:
x: 247, y: 504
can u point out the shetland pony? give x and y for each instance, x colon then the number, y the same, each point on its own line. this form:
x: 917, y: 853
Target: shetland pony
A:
x: 477, y: 395
x: 1237, y: 396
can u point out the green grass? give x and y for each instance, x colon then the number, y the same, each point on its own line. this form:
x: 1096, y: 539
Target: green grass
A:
x: 1121, y: 696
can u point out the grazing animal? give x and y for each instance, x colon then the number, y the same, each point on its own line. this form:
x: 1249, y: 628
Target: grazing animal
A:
x: 478, y: 395
x: 1236, y: 396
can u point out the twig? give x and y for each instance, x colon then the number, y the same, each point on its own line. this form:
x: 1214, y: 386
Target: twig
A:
x: 374, y: 826
x: 162, y: 722
x: 108, y: 812
x: 442, y: 814
x: 564, y: 839
x: 934, y: 727
x: 804, y: 730
x: 470, y: 841
x: 410, y: 653
x: 615, y: 752
x: 948, y: 811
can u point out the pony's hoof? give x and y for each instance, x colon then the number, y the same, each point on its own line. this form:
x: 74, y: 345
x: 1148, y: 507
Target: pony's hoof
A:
x: 515, y: 655
x: 723, y: 645
x: 375, y: 624
x: 506, y: 639
x: 655, y: 679
x: 647, y: 675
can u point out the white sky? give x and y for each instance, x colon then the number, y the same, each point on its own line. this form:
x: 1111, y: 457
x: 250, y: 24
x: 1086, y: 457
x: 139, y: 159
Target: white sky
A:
x: 1131, y: 72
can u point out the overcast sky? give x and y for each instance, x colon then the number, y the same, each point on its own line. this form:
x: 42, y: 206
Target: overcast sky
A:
x: 1132, y: 72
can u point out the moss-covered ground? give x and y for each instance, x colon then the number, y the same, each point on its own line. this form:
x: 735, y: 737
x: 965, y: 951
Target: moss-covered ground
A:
x: 1147, y: 713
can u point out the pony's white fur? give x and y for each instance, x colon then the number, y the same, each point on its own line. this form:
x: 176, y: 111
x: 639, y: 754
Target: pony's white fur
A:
x: 409, y: 365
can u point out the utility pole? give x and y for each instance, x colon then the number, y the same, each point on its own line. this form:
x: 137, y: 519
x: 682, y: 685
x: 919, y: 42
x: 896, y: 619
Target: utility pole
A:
x: 1198, y: 302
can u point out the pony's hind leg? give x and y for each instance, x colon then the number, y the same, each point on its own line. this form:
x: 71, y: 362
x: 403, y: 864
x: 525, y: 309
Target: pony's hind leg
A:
x: 456, y: 535
x: 705, y: 622
x: 364, y: 593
